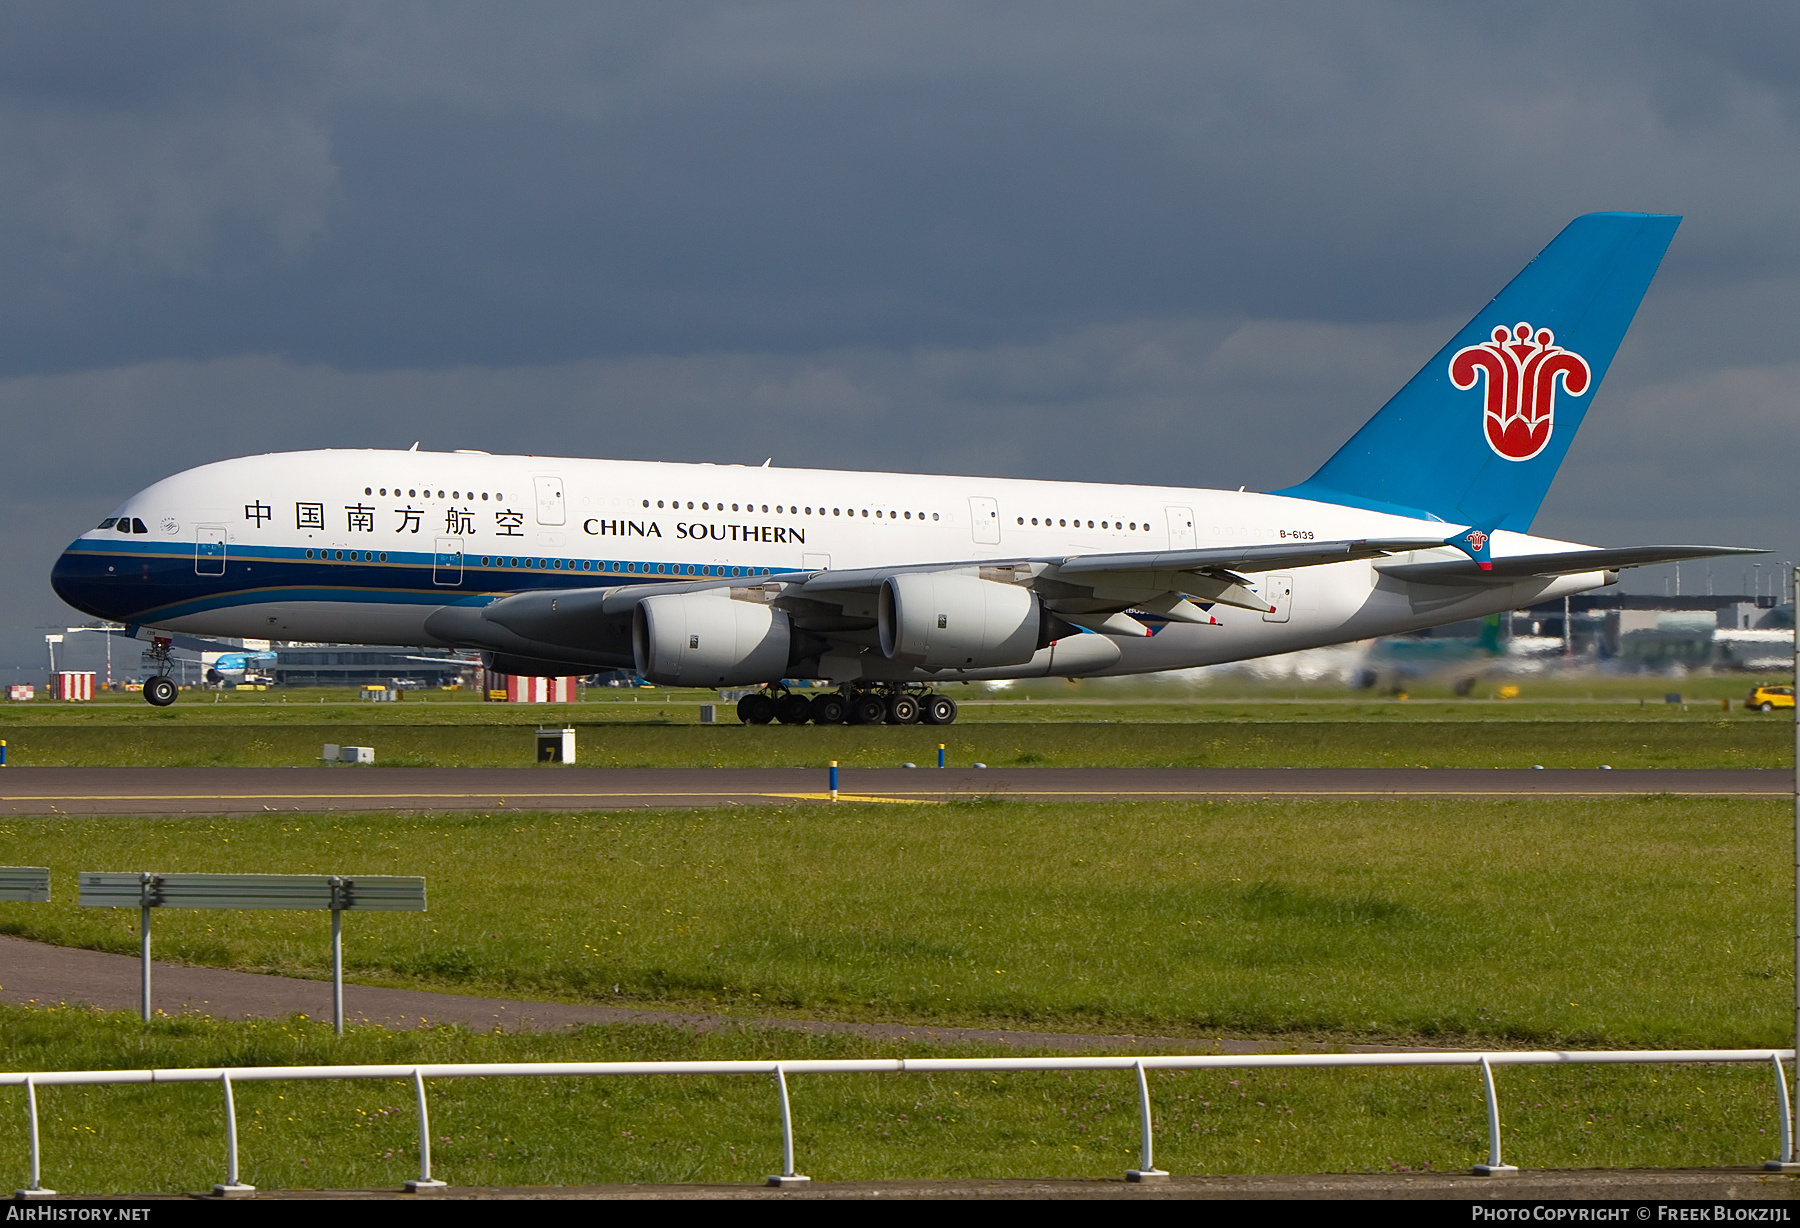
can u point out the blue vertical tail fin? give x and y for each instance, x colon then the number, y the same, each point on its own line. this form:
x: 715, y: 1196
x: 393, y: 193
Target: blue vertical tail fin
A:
x: 1478, y: 434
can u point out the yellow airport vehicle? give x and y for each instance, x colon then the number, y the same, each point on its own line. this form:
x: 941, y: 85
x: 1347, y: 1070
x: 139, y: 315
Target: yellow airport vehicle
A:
x: 1769, y: 698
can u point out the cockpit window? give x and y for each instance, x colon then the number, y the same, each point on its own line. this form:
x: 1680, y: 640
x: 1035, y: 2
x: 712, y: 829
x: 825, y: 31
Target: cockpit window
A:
x: 109, y: 522
x: 123, y: 525
x: 137, y: 526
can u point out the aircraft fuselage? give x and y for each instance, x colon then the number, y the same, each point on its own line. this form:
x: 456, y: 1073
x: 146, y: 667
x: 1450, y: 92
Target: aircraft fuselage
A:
x: 366, y: 546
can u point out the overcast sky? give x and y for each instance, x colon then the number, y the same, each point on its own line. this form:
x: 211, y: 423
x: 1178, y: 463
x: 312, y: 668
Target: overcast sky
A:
x: 1176, y: 243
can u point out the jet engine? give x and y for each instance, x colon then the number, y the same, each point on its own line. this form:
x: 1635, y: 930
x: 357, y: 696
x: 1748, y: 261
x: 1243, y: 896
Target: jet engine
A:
x: 941, y: 620
x: 707, y: 639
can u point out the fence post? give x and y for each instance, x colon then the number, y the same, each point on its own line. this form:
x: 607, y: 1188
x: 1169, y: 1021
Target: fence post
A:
x: 36, y: 1188
x: 425, y: 1184
x: 788, y: 1176
x: 337, y: 954
x: 1494, y: 1166
x: 1784, y: 1161
x: 144, y: 945
x: 231, y: 1188
x: 1146, y: 1169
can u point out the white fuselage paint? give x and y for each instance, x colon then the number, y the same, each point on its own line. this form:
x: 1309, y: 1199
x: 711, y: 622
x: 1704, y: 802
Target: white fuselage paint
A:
x: 579, y: 514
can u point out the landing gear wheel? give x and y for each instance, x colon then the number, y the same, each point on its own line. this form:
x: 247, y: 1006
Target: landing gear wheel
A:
x: 793, y: 709
x: 161, y: 691
x: 902, y: 709
x: 829, y: 710
x: 868, y: 709
x: 756, y: 709
x: 938, y: 710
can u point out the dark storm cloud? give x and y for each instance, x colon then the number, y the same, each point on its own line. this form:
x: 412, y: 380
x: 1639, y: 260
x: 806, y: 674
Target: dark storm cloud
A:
x: 382, y: 186
x: 1179, y: 243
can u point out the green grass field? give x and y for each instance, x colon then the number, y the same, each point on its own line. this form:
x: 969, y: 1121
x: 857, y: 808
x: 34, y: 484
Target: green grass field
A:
x: 662, y: 730
x: 1638, y: 922
x: 1622, y: 743
x: 1633, y: 922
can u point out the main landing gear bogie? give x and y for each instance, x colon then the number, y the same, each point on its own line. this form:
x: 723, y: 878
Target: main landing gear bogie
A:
x: 793, y: 710
x: 757, y: 709
x: 870, y: 707
x: 902, y: 709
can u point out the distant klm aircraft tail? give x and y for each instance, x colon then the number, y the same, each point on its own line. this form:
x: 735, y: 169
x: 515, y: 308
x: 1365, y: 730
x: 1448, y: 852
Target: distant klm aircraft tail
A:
x: 1476, y: 437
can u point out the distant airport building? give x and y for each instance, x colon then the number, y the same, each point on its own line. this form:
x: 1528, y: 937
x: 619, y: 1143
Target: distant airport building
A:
x: 337, y: 665
x: 1632, y: 631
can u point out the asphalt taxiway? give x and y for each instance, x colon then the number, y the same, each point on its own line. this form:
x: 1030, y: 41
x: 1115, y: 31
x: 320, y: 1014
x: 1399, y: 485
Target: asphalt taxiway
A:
x: 229, y: 791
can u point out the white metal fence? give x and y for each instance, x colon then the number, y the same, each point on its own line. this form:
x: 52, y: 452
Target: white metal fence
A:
x: 1482, y: 1062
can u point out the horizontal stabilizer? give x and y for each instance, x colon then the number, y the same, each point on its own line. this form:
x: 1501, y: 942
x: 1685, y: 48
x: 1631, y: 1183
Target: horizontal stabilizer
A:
x: 1562, y: 563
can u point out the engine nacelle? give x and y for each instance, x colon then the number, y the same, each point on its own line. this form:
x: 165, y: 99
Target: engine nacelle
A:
x: 939, y: 620
x: 707, y: 639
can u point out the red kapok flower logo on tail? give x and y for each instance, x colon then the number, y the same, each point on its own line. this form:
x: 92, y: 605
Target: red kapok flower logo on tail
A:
x: 1522, y: 369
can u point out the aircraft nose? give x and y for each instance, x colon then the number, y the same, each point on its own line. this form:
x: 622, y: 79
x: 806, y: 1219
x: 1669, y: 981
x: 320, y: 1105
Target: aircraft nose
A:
x: 91, y: 582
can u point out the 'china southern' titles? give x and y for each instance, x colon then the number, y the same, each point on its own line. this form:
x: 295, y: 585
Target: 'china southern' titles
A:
x: 698, y: 531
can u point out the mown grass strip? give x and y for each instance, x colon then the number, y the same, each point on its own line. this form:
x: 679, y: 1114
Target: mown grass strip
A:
x: 1081, y: 741
x: 1652, y: 922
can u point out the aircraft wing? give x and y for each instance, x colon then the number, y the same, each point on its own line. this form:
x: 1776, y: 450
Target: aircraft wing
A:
x: 1560, y: 563
x: 1103, y: 592
x: 1245, y: 558
x: 1091, y: 591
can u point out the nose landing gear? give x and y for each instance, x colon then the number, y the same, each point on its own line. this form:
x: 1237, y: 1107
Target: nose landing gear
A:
x: 159, y: 689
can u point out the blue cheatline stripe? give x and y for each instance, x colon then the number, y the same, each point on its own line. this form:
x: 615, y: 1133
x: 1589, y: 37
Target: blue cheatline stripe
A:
x: 396, y: 558
x: 399, y: 581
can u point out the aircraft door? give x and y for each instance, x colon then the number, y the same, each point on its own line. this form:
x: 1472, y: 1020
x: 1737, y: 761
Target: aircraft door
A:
x: 984, y: 521
x: 550, y: 503
x: 1181, y: 528
x: 209, y: 550
x: 447, y: 561
x: 1280, y: 593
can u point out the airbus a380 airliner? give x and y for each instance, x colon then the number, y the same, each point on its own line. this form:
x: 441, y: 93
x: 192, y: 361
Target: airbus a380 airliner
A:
x: 890, y: 584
